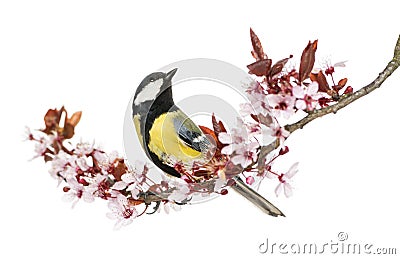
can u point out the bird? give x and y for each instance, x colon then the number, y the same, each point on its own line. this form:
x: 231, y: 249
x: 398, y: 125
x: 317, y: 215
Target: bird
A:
x: 168, y: 135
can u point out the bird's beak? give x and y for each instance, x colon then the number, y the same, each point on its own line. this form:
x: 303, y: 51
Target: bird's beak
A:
x: 171, y: 74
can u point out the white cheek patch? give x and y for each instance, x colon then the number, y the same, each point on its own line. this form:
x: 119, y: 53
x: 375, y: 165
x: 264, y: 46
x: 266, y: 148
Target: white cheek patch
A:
x: 149, y: 92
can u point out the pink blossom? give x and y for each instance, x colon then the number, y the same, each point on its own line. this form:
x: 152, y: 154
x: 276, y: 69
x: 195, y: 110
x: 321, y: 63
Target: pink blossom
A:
x: 84, y: 148
x: 284, y: 181
x: 27, y: 134
x: 121, y: 211
x: 181, y: 191
x: 132, y: 180
x: 42, y: 144
x: 254, y: 87
x: 77, y: 191
x: 327, y: 66
x: 140, y: 171
x: 282, y: 105
x: 307, y: 97
x: 253, y: 129
x: 100, y: 187
x: 220, y: 181
x: 245, y: 154
x: 59, y: 164
x: 242, y: 133
x: 275, y: 130
x: 259, y: 103
x: 167, y: 206
x: 233, y: 140
x: 246, y: 109
x: 82, y: 163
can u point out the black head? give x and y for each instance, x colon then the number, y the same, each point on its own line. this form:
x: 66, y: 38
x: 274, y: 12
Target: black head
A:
x: 152, y: 86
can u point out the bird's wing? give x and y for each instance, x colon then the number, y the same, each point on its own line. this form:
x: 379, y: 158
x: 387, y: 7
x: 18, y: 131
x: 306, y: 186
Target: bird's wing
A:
x: 190, y: 133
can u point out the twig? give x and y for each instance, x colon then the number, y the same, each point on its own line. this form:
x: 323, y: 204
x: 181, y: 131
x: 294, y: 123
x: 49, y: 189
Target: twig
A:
x: 347, y: 99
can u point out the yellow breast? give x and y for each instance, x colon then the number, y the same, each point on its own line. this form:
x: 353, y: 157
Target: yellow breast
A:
x: 164, y: 140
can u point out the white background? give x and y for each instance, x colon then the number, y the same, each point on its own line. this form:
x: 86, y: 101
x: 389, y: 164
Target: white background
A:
x: 91, y: 55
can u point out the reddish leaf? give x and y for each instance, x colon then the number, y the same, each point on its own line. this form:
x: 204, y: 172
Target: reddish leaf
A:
x: 217, y: 128
x: 341, y: 84
x: 307, y: 60
x: 47, y: 158
x: 209, y: 131
x: 255, y: 117
x: 221, y: 126
x: 278, y: 66
x: 75, y: 118
x: 119, y: 169
x: 320, y: 78
x: 260, y: 68
x: 258, y: 52
x: 51, y: 120
x: 265, y: 120
x: 68, y: 131
x: 134, y: 202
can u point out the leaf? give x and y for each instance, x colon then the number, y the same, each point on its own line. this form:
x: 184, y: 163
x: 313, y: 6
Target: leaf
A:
x: 209, y: 131
x: 68, y: 131
x: 222, y: 127
x: 51, y: 120
x: 216, y: 126
x: 75, y: 118
x: 258, y: 52
x: 119, y: 170
x: 307, y: 60
x: 341, y: 84
x: 265, y: 120
x: 255, y: 117
x: 133, y: 202
x: 260, y: 67
x: 278, y: 66
x: 320, y: 78
x: 47, y: 158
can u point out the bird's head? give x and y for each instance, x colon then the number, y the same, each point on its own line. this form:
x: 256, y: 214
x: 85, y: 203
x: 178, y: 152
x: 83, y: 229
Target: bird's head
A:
x: 152, y: 86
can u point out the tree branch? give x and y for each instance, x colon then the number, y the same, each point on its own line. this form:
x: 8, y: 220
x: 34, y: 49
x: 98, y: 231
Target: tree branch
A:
x: 347, y: 99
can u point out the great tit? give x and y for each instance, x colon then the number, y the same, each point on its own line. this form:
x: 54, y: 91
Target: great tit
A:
x: 168, y: 135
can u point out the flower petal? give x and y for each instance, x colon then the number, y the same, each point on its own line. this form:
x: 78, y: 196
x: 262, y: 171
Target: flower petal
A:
x: 120, y: 185
x: 301, y: 105
x: 288, y: 190
x: 298, y: 92
x: 312, y: 88
x: 278, y: 189
x: 225, y: 138
x: 292, y: 170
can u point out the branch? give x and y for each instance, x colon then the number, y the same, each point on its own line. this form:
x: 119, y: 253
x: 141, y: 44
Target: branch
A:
x: 347, y: 99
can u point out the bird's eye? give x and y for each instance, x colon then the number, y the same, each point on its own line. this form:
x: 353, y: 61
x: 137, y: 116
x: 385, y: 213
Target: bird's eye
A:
x: 152, y: 80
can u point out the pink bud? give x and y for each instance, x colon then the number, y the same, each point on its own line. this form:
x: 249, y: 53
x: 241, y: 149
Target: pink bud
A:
x: 330, y: 70
x: 83, y: 182
x: 283, y: 150
x: 224, y: 192
x: 348, y: 90
x: 250, y: 180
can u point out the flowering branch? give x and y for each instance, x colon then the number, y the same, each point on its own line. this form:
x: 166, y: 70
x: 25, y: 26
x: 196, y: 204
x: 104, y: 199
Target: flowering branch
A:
x: 347, y: 99
x: 245, y: 152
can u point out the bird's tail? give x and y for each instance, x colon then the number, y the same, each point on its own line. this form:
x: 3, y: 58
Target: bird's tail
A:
x: 258, y: 200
